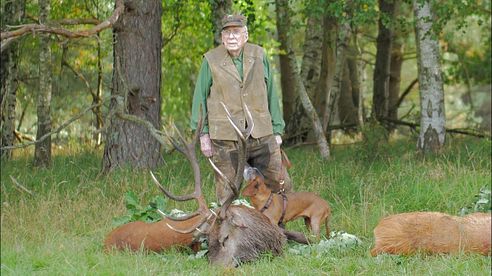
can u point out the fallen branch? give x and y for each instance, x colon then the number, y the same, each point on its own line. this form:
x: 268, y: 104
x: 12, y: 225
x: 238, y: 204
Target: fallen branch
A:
x: 474, y: 133
x: 57, y: 130
x: 16, y: 183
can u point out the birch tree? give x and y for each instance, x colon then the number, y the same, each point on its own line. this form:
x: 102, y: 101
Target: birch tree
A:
x: 432, y: 116
x: 42, y: 151
x: 299, y: 124
x: 344, y: 35
x: 12, y: 12
x: 283, y: 23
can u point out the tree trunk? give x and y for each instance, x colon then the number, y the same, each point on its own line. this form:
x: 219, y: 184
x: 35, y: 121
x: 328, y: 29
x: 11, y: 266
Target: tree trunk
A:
x: 432, y: 116
x: 136, y: 86
x: 12, y: 12
x: 380, y: 103
x: 355, y: 80
x: 395, y: 76
x: 328, y: 63
x: 334, y: 93
x: 219, y: 9
x: 283, y: 23
x: 310, y: 72
x: 42, y: 151
x: 347, y: 110
x: 286, y: 72
x: 98, y: 122
x: 311, y: 61
x: 348, y: 105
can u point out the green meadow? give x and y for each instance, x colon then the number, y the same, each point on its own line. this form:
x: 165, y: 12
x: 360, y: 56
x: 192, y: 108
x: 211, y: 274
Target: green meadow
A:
x: 54, y: 221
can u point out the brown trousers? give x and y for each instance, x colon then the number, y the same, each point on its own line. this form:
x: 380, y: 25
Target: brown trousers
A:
x: 262, y: 153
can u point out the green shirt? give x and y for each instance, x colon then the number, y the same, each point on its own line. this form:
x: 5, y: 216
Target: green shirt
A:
x: 202, y: 90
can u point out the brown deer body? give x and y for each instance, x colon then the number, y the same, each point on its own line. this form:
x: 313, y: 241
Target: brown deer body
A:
x: 156, y: 237
x: 433, y: 232
x: 307, y: 205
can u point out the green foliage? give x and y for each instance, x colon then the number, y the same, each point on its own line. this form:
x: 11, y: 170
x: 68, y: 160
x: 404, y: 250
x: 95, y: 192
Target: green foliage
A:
x: 468, y: 53
x: 136, y: 212
x: 482, y: 203
x: 188, y: 34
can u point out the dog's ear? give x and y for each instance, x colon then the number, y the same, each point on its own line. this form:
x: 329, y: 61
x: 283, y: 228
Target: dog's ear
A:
x: 259, y: 174
x: 250, y: 189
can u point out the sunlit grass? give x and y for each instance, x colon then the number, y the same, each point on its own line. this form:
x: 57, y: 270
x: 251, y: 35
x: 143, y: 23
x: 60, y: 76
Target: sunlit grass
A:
x: 59, y: 229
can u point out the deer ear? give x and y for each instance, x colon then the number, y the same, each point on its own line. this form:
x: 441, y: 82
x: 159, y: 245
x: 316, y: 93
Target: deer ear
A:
x: 237, y: 220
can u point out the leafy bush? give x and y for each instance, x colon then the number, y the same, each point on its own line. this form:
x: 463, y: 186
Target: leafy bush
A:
x: 136, y: 212
x: 482, y: 203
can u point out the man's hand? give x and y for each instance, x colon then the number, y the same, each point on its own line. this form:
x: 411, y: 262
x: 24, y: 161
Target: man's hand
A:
x: 206, y: 145
x: 278, y: 138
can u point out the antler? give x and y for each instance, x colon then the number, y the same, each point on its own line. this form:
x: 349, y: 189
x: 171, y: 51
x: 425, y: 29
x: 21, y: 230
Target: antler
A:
x: 243, y: 134
x: 188, y: 149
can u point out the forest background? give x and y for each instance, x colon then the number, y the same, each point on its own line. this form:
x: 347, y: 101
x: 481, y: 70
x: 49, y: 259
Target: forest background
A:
x: 347, y: 73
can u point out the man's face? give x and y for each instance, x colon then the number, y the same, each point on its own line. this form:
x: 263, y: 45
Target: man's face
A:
x: 234, y: 38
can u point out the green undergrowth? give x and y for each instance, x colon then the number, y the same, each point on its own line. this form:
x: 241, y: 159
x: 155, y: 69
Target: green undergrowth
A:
x: 53, y: 221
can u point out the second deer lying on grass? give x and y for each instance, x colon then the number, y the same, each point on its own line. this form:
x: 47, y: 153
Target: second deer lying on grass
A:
x: 433, y: 232
x: 307, y: 205
x: 156, y: 237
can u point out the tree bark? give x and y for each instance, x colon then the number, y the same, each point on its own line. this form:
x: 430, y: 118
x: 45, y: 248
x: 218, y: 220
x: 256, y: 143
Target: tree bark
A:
x: 347, y: 109
x: 287, y: 83
x: 310, y: 73
x: 432, y: 115
x: 98, y: 122
x: 136, y: 82
x: 311, y: 61
x: 219, y: 9
x: 328, y: 63
x: 334, y: 93
x: 348, y: 105
x: 380, y: 102
x: 395, y: 76
x: 42, y: 150
x: 13, y: 12
x: 282, y: 23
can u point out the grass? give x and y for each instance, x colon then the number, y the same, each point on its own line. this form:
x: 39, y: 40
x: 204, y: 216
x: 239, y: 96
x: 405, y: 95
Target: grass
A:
x: 59, y: 229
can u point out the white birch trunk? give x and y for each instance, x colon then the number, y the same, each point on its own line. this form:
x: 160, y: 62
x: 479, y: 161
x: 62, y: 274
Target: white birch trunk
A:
x: 432, y: 116
x: 334, y: 92
x: 282, y: 11
x: 42, y: 151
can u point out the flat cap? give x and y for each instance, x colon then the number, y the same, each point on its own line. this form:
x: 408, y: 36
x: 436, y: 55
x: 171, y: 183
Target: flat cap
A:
x: 233, y: 20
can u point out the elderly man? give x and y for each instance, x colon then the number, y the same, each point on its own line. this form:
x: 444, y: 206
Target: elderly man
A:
x: 238, y: 72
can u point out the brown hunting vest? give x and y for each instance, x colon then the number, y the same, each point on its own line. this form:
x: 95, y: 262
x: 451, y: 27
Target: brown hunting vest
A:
x: 227, y: 87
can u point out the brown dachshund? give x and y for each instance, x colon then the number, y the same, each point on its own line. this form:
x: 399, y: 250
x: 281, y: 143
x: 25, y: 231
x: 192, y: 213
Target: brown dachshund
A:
x: 281, y: 208
x: 433, y: 232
